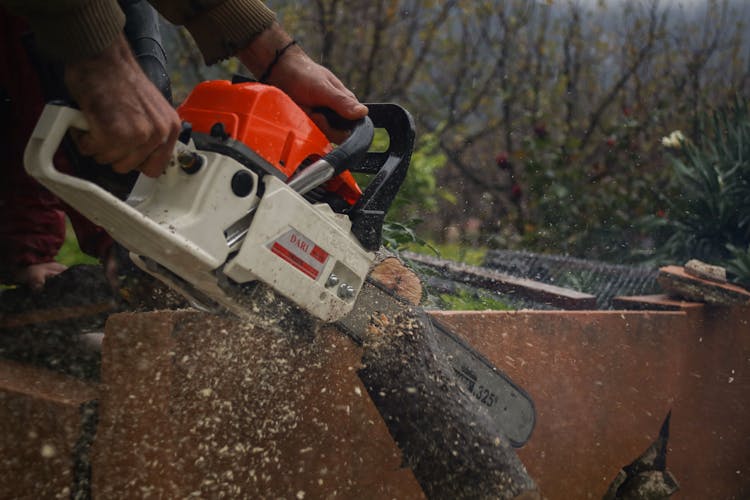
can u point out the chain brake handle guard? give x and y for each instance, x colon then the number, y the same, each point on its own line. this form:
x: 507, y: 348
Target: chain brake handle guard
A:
x: 388, y: 167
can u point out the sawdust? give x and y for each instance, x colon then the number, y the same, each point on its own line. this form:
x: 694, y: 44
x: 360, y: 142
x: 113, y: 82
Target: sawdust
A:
x: 451, y: 445
x: 244, y: 387
x: 249, y: 409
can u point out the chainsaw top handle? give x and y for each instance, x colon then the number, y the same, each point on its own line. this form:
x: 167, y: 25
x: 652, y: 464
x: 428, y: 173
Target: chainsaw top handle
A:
x: 353, y: 150
x: 350, y: 152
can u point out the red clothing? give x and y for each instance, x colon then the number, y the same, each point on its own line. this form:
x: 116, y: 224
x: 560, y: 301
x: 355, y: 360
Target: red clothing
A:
x: 32, y: 223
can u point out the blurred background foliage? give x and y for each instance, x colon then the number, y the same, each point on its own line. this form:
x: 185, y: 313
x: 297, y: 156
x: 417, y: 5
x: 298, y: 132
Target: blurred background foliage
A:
x: 540, y: 123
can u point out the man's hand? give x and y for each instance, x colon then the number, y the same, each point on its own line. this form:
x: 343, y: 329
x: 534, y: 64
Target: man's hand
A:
x: 35, y: 275
x: 308, y: 83
x: 131, y: 125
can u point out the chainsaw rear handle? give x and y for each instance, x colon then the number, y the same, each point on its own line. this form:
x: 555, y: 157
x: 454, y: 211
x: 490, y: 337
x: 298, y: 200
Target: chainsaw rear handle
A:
x: 91, y: 200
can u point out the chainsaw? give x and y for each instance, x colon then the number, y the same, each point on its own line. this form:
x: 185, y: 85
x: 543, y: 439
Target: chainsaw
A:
x: 255, y: 195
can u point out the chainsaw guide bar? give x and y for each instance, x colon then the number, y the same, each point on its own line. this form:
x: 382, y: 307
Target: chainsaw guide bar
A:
x: 510, y: 407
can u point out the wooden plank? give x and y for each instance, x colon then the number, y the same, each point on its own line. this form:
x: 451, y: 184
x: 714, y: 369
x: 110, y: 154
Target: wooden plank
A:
x: 677, y: 282
x: 659, y: 302
x: 564, y: 298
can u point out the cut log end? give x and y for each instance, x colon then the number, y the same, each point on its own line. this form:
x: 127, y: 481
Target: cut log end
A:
x: 398, y: 279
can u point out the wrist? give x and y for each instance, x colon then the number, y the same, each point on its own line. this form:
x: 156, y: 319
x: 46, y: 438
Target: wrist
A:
x: 261, y: 52
x: 114, y: 57
x: 84, y: 77
x: 265, y: 76
x: 116, y: 53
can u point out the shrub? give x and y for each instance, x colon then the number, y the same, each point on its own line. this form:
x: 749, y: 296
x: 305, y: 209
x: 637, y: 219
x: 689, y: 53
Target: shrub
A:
x: 708, y: 214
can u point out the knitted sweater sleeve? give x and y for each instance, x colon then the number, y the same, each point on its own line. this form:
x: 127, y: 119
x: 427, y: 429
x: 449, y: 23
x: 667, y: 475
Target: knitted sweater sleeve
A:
x: 219, y: 27
x: 74, y: 29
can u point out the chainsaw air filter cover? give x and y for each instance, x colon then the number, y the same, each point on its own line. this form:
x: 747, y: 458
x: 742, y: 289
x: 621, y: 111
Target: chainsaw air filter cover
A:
x: 268, y: 123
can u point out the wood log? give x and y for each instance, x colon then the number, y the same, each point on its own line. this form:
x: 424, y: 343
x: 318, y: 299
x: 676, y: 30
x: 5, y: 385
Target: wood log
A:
x: 399, y: 279
x: 448, y: 442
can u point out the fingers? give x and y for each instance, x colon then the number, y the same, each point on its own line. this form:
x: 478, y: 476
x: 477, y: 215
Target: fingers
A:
x: 345, y: 103
x: 156, y: 162
x: 347, y: 106
x: 335, y: 135
x: 131, y: 125
x: 146, y: 146
x: 330, y: 92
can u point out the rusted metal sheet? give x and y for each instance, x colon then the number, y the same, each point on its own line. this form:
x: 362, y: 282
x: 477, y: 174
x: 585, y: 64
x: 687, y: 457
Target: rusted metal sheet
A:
x: 199, y: 405
x: 603, y: 381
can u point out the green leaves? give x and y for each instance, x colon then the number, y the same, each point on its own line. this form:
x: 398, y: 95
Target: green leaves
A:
x: 397, y: 235
x: 420, y: 192
x: 709, y: 210
x: 739, y: 265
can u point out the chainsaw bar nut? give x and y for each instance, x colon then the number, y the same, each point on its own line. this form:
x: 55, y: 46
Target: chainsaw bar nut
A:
x: 346, y: 291
x: 332, y: 281
x: 189, y: 161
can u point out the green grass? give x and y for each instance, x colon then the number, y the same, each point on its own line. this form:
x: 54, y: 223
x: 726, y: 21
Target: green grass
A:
x: 451, y: 251
x: 464, y: 300
x: 70, y: 253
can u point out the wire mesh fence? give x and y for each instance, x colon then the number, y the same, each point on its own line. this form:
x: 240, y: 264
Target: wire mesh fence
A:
x: 603, y: 280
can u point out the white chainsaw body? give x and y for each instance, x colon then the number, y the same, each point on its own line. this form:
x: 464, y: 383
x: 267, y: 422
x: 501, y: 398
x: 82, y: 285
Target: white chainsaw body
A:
x: 194, y: 232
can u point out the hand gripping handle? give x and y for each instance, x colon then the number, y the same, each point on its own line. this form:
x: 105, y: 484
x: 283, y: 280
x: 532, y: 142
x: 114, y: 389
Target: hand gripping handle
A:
x: 124, y: 223
x: 89, y: 199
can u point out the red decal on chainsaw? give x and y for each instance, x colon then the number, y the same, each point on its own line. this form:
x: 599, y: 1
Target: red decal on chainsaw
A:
x: 300, y: 252
x: 319, y: 254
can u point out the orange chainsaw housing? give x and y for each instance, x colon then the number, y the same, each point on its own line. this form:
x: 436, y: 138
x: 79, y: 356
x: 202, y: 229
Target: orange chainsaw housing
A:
x: 267, y: 121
